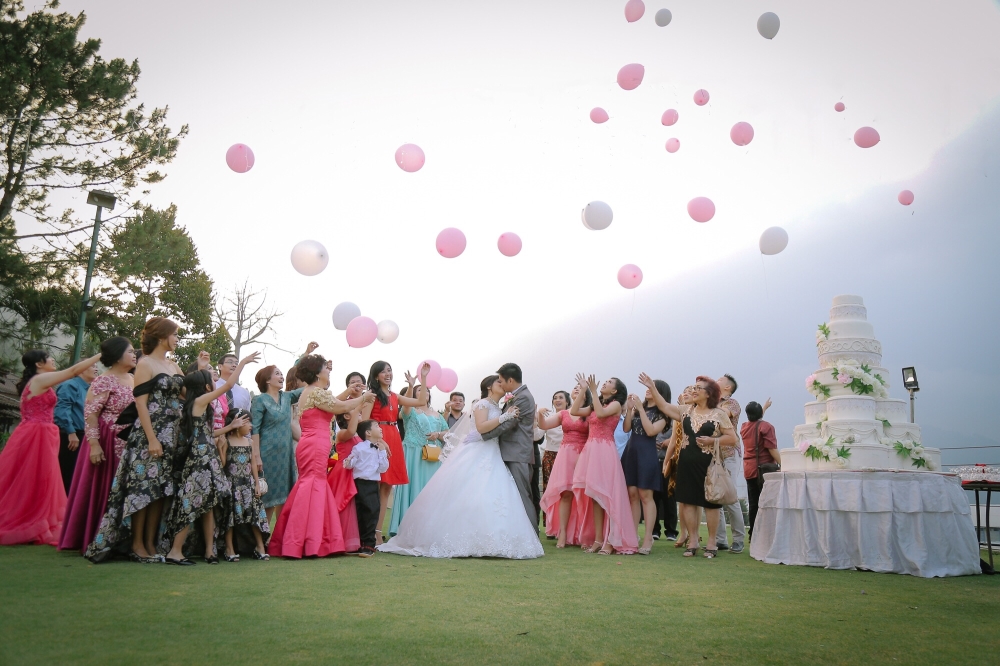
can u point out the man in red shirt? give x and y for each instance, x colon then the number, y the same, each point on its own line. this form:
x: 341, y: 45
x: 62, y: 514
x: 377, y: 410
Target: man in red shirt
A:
x: 757, y: 433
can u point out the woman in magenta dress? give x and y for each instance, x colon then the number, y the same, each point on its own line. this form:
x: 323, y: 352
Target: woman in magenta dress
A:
x: 97, y: 463
x: 32, y: 494
x: 562, y: 519
x: 598, y: 480
x: 385, y: 410
x: 309, y: 524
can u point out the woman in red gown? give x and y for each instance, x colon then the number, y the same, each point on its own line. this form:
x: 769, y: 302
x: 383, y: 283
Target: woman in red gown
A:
x: 310, y: 522
x: 32, y: 494
x: 385, y: 410
x: 340, y: 479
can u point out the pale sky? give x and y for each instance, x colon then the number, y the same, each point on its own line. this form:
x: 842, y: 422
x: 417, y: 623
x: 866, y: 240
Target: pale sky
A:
x: 498, y: 97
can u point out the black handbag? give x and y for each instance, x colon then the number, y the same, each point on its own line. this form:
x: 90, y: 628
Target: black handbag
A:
x: 766, y: 468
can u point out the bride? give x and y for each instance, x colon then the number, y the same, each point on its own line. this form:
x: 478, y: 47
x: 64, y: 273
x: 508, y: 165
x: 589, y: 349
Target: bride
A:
x: 470, y: 507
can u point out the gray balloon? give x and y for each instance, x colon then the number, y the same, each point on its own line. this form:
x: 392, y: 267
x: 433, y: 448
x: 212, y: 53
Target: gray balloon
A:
x: 663, y: 17
x: 768, y: 24
x: 343, y: 314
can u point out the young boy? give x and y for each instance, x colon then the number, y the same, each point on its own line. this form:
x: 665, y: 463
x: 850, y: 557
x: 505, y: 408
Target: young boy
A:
x: 367, y: 460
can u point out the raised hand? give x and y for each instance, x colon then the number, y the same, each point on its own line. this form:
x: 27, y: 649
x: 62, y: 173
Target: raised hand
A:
x: 410, y: 379
x: 767, y: 404
x: 592, y: 384
x: 204, y: 360
x: 646, y: 381
x: 311, y: 347
x: 581, y: 381
x: 249, y: 358
x: 543, y: 411
x: 424, y: 370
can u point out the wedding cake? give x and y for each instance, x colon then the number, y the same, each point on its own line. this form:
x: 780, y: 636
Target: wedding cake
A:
x: 853, y: 423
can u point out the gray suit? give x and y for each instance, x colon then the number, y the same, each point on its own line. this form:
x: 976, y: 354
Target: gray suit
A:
x: 517, y: 449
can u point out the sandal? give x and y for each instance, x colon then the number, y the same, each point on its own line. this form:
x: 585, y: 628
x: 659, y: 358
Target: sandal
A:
x: 645, y: 551
x: 710, y: 553
x: 184, y: 562
x: 690, y: 552
x: 679, y: 543
x: 231, y: 558
x: 593, y: 548
x: 263, y: 557
x: 609, y: 551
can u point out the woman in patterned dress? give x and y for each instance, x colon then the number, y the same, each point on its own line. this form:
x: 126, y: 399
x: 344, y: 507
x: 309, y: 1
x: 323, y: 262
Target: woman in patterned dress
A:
x: 204, y: 490
x: 385, y: 410
x: 151, y: 458
x: 245, y: 520
x: 271, y: 416
x: 705, y: 425
x: 97, y: 463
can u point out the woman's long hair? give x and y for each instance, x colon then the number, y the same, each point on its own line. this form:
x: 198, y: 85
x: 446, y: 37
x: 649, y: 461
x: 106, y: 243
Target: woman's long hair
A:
x: 621, y: 393
x: 663, y: 389
x: 194, y: 387
x: 373, y: 384
x: 30, y: 361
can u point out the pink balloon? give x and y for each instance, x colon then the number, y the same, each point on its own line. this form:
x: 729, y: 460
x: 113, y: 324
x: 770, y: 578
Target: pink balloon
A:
x: 634, y: 9
x: 905, y: 197
x: 629, y: 276
x: 669, y: 117
x: 410, y: 157
x: 701, y: 209
x: 701, y: 97
x: 434, y: 375
x: 239, y: 157
x: 509, y: 244
x: 630, y: 76
x: 741, y: 134
x: 598, y: 115
x: 838, y: 107
x: 448, y: 380
x: 361, y: 332
x: 673, y: 145
x: 866, y: 137
x: 450, y: 243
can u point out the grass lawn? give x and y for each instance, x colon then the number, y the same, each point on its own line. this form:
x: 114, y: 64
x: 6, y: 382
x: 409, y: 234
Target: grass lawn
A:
x: 565, y: 608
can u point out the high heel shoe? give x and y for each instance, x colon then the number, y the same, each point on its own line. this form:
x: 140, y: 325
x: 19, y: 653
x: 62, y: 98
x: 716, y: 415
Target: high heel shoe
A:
x: 231, y: 558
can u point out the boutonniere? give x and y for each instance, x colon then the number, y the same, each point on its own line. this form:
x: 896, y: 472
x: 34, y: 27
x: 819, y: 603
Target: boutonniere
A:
x: 506, y: 400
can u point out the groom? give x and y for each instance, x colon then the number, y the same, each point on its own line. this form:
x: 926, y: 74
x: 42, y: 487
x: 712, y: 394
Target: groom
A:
x: 515, y: 436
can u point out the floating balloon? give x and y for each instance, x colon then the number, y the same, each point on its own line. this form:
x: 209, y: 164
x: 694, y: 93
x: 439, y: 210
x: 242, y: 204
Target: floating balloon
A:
x: 239, y: 157
x: 866, y: 137
x: 768, y: 24
x: 669, y: 117
x: 410, y: 157
x: 388, y: 331
x: 773, y: 240
x: 673, y: 145
x: 701, y: 97
x: 361, y: 332
x: 434, y: 375
x: 663, y: 17
x: 309, y: 257
x: 634, y: 9
x: 905, y: 197
x: 598, y: 115
x: 509, y: 244
x: 701, y: 209
x: 630, y: 76
x: 448, y: 380
x: 450, y: 243
x: 629, y: 276
x: 838, y: 107
x: 343, y: 314
x: 597, y: 215
x: 741, y: 134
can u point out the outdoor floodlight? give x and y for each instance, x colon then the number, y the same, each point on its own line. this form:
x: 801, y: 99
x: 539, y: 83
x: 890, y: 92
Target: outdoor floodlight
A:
x: 910, y: 379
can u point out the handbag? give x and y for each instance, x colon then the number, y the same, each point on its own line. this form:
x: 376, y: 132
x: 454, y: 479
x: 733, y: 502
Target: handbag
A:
x: 719, y: 486
x: 262, y: 485
x: 431, y: 452
x: 766, y: 468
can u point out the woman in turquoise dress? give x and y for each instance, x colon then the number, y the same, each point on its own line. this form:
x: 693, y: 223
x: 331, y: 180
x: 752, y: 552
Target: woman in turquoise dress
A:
x: 271, y: 417
x: 423, y: 425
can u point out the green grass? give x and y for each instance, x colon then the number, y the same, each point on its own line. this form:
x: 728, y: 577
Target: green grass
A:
x: 565, y: 608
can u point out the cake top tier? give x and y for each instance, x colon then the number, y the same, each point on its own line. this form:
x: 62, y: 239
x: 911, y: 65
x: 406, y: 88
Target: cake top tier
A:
x: 847, y: 308
x: 848, y: 300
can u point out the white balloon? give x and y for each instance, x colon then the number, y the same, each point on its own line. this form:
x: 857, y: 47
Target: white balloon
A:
x: 309, y: 257
x: 597, y: 216
x: 773, y: 240
x: 768, y: 24
x: 343, y: 314
x: 583, y: 218
x: 663, y: 17
x: 388, y: 331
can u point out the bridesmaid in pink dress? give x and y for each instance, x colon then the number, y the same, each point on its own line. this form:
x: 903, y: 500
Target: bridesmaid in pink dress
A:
x: 599, y: 481
x: 97, y: 463
x: 32, y: 494
x: 310, y: 524
x: 562, y: 517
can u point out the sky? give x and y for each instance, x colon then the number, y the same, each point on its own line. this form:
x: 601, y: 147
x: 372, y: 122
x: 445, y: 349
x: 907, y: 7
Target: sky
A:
x: 498, y: 97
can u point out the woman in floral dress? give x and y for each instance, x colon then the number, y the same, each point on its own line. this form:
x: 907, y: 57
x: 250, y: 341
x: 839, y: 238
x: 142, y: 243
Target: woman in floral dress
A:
x: 145, y: 476
x: 245, y: 522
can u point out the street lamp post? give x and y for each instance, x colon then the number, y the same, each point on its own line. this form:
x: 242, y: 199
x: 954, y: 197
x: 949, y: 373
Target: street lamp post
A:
x: 101, y: 200
x: 910, y: 382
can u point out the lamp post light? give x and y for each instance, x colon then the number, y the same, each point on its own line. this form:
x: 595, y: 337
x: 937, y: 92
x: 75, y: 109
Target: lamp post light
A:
x: 101, y: 200
x: 910, y: 382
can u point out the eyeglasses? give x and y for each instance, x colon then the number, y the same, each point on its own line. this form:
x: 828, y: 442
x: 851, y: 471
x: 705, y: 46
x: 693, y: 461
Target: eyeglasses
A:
x: 699, y: 388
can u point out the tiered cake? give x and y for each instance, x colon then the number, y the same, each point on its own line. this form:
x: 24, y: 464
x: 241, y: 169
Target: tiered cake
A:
x: 853, y: 423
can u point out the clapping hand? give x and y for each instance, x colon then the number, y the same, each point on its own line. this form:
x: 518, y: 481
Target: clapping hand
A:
x: 592, y: 384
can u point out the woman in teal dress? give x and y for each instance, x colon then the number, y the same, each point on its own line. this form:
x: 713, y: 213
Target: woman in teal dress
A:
x: 423, y: 425
x: 271, y: 417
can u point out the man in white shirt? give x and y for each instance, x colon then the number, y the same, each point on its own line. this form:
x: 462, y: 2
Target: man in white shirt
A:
x: 240, y: 398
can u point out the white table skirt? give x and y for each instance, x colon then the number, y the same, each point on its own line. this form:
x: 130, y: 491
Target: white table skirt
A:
x: 915, y: 523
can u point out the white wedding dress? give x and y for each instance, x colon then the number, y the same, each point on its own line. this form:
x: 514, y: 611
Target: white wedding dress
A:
x: 470, y: 507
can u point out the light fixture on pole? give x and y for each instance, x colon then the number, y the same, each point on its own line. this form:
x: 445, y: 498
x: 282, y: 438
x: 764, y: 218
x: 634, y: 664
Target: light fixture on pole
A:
x: 911, y: 385
x: 101, y: 200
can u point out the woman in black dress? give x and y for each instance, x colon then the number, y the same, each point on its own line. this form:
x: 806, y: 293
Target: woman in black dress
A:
x: 704, y: 426
x: 644, y: 422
